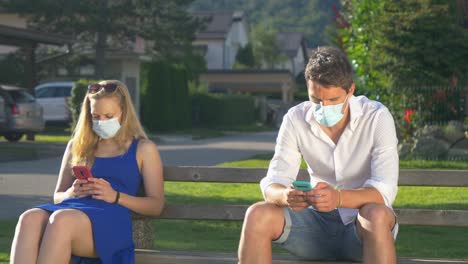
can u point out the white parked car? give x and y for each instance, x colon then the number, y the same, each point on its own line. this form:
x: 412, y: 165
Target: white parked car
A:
x: 54, y: 97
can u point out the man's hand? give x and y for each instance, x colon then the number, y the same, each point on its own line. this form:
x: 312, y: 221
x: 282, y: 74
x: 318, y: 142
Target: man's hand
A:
x: 295, y: 199
x: 323, y: 197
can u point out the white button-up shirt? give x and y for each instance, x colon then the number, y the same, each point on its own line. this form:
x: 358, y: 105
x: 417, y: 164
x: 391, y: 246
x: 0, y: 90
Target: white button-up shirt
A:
x: 365, y: 156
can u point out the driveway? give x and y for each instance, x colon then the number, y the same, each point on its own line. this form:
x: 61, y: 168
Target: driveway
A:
x: 27, y: 183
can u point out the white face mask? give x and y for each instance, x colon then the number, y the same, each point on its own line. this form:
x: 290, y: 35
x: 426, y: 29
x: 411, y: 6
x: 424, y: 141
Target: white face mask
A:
x: 106, y: 128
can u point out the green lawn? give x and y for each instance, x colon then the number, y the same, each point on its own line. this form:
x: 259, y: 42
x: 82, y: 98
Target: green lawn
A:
x: 7, y: 229
x: 413, y: 241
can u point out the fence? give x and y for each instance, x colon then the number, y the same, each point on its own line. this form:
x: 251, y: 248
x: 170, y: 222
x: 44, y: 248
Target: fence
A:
x: 433, y: 105
x: 432, y: 120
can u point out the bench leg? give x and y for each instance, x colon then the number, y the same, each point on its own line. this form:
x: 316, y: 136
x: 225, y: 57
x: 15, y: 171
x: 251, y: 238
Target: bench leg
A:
x: 143, y: 233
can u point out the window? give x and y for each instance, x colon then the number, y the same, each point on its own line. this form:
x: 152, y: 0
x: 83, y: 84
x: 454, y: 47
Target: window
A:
x: 62, y: 91
x: 45, y: 92
x: 21, y: 96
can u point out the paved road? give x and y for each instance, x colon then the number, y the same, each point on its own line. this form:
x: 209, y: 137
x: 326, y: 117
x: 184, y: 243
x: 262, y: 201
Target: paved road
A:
x: 26, y: 183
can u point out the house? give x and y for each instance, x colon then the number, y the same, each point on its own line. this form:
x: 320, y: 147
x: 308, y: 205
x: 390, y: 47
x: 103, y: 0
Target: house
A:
x: 224, y: 33
x: 294, y: 46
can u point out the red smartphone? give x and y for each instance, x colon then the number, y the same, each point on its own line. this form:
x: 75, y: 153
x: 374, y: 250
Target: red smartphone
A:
x: 82, y: 172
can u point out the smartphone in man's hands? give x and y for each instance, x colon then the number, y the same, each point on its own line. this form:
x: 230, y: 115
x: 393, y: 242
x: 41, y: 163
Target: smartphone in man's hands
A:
x: 302, y: 186
x: 82, y: 172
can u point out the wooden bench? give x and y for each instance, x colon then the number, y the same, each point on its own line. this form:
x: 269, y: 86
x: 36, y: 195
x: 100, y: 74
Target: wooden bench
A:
x: 143, y: 228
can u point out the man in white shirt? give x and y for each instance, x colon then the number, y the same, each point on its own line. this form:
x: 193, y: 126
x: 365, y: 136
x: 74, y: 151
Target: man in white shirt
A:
x: 350, y: 147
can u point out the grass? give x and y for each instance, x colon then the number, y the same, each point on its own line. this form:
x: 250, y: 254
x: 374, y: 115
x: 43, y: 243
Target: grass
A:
x: 7, y: 229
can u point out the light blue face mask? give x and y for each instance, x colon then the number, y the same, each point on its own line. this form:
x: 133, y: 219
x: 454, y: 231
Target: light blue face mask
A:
x: 328, y: 115
x: 106, y: 128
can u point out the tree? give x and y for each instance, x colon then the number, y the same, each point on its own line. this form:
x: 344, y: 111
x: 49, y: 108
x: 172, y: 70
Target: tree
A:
x: 399, y: 46
x: 245, y: 57
x: 101, y: 24
x: 405, y: 42
x: 264, y: 46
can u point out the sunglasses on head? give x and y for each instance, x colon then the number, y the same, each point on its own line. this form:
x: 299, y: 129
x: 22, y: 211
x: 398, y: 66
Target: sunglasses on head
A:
x: 96, y: 87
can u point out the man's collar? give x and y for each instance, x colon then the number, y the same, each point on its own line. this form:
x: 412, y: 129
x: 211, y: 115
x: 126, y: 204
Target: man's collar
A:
x: 355, y: 111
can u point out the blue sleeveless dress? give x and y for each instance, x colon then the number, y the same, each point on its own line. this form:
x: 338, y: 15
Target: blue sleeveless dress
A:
x: 111, y: 223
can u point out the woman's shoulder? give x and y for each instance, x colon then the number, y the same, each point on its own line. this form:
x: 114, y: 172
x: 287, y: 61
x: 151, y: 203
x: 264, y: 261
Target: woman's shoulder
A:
x: 146, y: 145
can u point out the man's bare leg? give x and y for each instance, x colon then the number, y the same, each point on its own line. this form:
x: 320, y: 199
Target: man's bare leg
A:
x: 263, y: 223
x: 375, y: 223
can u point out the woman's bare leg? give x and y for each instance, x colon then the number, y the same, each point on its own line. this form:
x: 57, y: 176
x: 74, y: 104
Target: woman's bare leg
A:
x: 28, y: 236
x: 68, y: 231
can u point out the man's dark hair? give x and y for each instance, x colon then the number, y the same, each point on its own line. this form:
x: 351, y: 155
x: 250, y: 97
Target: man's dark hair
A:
x: 329, y: 66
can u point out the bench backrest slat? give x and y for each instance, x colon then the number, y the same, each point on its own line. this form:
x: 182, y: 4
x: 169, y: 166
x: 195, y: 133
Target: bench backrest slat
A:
x: 247, y: 175
x: 237, y: 212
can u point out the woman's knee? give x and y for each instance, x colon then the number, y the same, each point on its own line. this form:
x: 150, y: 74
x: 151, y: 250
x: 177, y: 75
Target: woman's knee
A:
x: 64, y: 220
x: 33, y: 218
x: 373, y: 216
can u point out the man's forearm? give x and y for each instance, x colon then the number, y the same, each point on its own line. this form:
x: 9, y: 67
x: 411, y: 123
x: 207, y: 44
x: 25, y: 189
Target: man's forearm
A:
x: 275, y: 193
x: 357, y: 198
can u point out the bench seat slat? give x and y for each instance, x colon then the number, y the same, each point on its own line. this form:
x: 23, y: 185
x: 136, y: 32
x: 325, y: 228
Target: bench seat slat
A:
x: 193, y: 257
x: 248, y: 175
x: 237, y: 212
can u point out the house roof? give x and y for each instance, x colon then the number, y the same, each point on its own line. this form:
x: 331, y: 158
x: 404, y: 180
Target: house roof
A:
x: 20, y: 36
x: 218, y: 23
x: 290, y: 42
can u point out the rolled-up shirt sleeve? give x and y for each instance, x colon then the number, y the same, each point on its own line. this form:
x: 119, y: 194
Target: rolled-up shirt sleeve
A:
x: 285, y: 164
x: 384, y: 158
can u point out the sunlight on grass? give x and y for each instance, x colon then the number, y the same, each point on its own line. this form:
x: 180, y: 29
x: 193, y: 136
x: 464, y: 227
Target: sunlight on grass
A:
x: 52, y: 138
x: 262, y: 161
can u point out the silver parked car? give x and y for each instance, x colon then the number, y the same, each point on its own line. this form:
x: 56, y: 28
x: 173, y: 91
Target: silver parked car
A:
x: 19, y: 113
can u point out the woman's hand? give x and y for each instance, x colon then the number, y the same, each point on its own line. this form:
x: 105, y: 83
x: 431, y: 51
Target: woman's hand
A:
x: 80, y: 188
x: 102, y: 190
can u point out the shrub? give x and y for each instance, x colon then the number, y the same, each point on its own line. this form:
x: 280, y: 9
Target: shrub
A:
x: 220, y: 110
x: 164, y: 97
x: 78, y: 93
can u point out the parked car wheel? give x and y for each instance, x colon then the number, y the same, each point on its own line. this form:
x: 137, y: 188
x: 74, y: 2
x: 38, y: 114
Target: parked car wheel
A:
x: 13, y: 137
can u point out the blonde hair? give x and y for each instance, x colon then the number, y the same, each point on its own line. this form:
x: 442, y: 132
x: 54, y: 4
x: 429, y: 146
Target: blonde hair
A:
x: 85, y: 140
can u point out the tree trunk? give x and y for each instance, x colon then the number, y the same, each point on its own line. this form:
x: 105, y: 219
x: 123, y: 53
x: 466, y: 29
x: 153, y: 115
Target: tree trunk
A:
x: 101, y: 41
x: 30, y: 68
x: 100, y: 54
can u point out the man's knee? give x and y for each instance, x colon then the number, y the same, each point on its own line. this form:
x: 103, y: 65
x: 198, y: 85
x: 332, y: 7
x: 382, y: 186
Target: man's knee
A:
x: 264, y: 217
x: 376, y: 216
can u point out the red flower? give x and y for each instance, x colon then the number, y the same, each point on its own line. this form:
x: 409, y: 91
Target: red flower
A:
x: 408, y: 114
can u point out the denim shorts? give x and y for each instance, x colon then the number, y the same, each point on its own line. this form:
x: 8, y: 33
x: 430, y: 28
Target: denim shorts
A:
x: 314, y: 235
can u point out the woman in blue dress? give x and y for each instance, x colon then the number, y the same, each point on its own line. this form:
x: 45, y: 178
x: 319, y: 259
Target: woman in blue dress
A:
x: 90, y: 220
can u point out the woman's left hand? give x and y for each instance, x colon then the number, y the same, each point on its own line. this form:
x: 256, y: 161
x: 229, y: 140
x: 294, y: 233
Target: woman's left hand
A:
x: 102, y: 190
